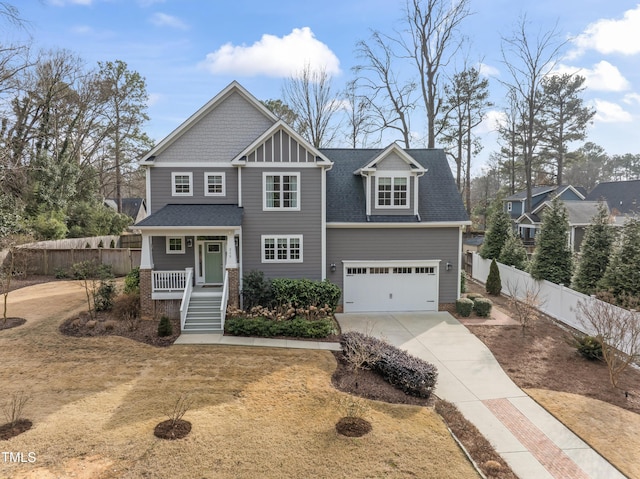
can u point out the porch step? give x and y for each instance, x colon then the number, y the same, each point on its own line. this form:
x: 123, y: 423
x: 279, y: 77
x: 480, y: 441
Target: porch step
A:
x: 203, y: 314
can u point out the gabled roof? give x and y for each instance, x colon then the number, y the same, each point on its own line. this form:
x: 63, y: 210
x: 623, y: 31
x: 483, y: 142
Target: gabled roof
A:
x: 579, y: 213
x: 130, y: 206
x: 439, y: 199
x: 392, y: 148
x: 172, y: 215
x: 234, y: 86
x: 543, y: 190
x: 623, y: 197
x: 279, y: 126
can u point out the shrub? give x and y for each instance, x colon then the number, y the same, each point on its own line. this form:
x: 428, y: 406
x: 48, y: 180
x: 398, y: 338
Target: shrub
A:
x: 464, y: 306
x: 482, y: 307
x: 132, y: 281
x: 589, y: 347
x: 408, y: 373
x: 303, y: 293
x: 361, y: 351
x: 60, y: 273
x: 126, y: 305
x: 165, y: 328
x: 298, y: 327
x: 103, y: 297
x: 494, y: 284
x: 474, y: 296
x: 463, y: 282
x: 256, y: 290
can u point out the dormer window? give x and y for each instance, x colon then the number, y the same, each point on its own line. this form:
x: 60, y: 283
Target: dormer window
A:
x: 392, y: 192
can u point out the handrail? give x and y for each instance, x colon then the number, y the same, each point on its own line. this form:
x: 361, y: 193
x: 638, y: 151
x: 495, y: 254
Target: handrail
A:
x: 225, y: 298
x: 168, y: 280
x: 186, y: 296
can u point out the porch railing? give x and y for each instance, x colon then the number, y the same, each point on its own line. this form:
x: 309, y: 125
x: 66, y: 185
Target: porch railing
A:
x: 169, y: 280
x: 225, y: 299
x: 186, y: 296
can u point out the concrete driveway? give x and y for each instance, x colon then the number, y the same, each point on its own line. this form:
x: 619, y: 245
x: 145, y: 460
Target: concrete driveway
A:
x: 533, y: 442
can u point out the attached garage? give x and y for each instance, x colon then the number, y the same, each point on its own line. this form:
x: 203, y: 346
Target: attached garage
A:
x: 390, y: 286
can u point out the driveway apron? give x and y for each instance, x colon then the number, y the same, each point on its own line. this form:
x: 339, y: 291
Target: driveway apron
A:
x: 532, y: 441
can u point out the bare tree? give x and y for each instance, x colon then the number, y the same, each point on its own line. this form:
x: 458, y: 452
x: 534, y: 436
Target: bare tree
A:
x: 390, y: 98
x: 358, y: 115
x: 309, y: 94
x: 528, y: 60
x: 617, y: 330
x: 525, y: 302
x: 511, y: 143
x: 433, y: 39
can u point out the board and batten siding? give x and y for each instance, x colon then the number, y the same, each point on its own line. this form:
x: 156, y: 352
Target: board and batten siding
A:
x: 391, y: 244
x: 171, y: 262
x: 306, y: 222
x: 220, y: 135
x: 161, y: 187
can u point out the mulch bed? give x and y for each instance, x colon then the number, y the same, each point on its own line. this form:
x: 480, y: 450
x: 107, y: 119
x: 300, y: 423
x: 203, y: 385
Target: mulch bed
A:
x: 11, y: 323
x: 543, y: 358
x: 7, y: 431
x: 168, y: 430
x: 353, y: 426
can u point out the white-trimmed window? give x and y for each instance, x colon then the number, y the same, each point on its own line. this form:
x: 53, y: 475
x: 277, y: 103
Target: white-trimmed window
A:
x: 282, y: 249
x: 392, y: 191
x: 509, y: 206
x: 214, y: 184
x: 182, y: 184
x: 175, y: 244
x: 281, y: 191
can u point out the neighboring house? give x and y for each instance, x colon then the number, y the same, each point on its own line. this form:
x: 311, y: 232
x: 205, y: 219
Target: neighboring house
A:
x: 622, y: 197
x: 526, y: 222
x: 136, y: 208
x: 233, y: 189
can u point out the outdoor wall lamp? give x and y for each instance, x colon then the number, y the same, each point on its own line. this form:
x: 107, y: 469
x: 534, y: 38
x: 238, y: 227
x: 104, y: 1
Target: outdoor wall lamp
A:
x: 449, y: 266
x: 333, y: 267
x: 189, y: 242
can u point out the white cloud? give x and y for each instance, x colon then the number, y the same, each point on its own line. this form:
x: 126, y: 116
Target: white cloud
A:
x: 631, y: 98
x: 82, y: 29
x: 602, y: 77
x: 274, y: 56
x: 488, y: 70
x: 492, y: 120
x: 154, y: 98
x: 608, y: 112
x: 164, y: 20
x: 148, y: 3
x: 64, y: 3
x: 611, y: 35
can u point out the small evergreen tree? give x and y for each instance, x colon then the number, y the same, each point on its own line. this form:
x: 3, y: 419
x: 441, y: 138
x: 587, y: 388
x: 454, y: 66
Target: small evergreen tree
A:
x: 622, y: 277
x: 552, y: 259
x: 499, y: 226
x: 165, y: 328
x: 513, y: 252
x: 494, y: 283
x: 595, y: 252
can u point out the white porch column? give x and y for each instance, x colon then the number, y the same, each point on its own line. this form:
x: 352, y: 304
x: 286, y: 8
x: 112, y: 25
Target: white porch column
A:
x: 232, y: 259
x: 146, y: 256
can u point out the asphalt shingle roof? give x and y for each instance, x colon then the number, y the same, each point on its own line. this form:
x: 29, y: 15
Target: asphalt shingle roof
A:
x: 438, y: 200
x: 623, y: 197
x: 194, y: 215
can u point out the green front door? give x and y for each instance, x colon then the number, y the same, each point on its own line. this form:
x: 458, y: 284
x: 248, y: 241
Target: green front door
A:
x: 213, y: 262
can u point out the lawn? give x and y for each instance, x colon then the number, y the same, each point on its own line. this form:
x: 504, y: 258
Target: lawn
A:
x: 257, y: 412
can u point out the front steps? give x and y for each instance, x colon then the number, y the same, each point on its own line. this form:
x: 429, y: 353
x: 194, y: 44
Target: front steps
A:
x: 203, y: 313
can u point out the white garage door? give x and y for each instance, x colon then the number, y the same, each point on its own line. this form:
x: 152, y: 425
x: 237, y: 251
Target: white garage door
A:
x: 390, y: 286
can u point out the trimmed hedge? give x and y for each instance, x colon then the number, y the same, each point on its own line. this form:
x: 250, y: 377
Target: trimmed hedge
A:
x: 482, y: 307
x: 303, y: 293
x: 297, y: 327
x: 464, y: 306
x: 474, y: 296
x: 412, y: 375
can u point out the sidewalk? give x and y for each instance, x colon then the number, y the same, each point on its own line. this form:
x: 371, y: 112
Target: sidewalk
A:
x: 532, y: 441
x: 209, y: 338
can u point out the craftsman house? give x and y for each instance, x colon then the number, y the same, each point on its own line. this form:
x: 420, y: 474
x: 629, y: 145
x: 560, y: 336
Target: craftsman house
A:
x: 233, y: 189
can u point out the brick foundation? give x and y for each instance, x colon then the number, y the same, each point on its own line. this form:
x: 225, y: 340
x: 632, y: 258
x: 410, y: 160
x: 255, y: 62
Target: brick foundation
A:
x: 146, y: 303
x: 234, y: 288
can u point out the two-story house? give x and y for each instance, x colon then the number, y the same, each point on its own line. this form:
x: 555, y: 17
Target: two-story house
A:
x: 233, y: 189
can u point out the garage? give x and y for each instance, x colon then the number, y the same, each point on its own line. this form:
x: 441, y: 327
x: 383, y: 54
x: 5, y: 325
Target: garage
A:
x: 392, y: 286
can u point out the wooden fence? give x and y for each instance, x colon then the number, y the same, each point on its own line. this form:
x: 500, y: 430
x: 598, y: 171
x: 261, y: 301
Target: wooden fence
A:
x: 54, y: 261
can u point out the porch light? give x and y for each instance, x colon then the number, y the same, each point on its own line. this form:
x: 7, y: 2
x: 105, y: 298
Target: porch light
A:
x: 449, y: 266
x: 189, y: 243
x: 333, y: 267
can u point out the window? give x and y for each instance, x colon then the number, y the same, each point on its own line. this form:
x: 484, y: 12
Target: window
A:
x: 393, y: 191
x: 282, y: 249
x: 354, y: 271
x: 281, y: 192
x: 425, y: 270
x: 175, y: 244
x: 214, y: 184
x: 402, y: 270
x: 378, y: 270
x: 182, y: 184
x: 509, y: 206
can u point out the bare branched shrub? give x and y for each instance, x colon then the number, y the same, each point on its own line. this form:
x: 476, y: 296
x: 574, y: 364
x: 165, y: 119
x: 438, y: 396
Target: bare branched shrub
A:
x: 617, y: 329
x: 525, y: 303
x: 361, y: 351
x: 180, y: 407
x: 352, y: 406
x: 14, y: 406
x: 130, y: 319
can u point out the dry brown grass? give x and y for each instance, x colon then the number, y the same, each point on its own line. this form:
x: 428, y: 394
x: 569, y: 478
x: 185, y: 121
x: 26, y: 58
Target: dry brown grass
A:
x: 256, y: 412
x: 609, y: 429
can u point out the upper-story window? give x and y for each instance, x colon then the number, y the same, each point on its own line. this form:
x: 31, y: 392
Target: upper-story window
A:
x: 281, y: 191
x: 509, y: 206
x: 182, y: 184
x: 392, y: 191
x: 214, y: 184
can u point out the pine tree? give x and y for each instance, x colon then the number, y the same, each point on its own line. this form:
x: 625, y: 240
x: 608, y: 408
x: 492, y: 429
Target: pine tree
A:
x: 513, y: 252
x: 552, y: 259
x: 595, y: 252
x: 494, y: 283
x: 494, y: 240
x: 623, y: 274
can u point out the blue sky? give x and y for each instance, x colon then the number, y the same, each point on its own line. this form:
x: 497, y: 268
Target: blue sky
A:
x: 188, y: 50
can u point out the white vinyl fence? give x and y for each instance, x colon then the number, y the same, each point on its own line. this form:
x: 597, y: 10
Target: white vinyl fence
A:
x: 558, y: 301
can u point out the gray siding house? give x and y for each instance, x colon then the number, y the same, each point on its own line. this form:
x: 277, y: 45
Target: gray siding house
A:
x: 234, y: 189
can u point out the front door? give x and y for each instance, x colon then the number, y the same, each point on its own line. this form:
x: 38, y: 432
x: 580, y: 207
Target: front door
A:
x: 213, y: 262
